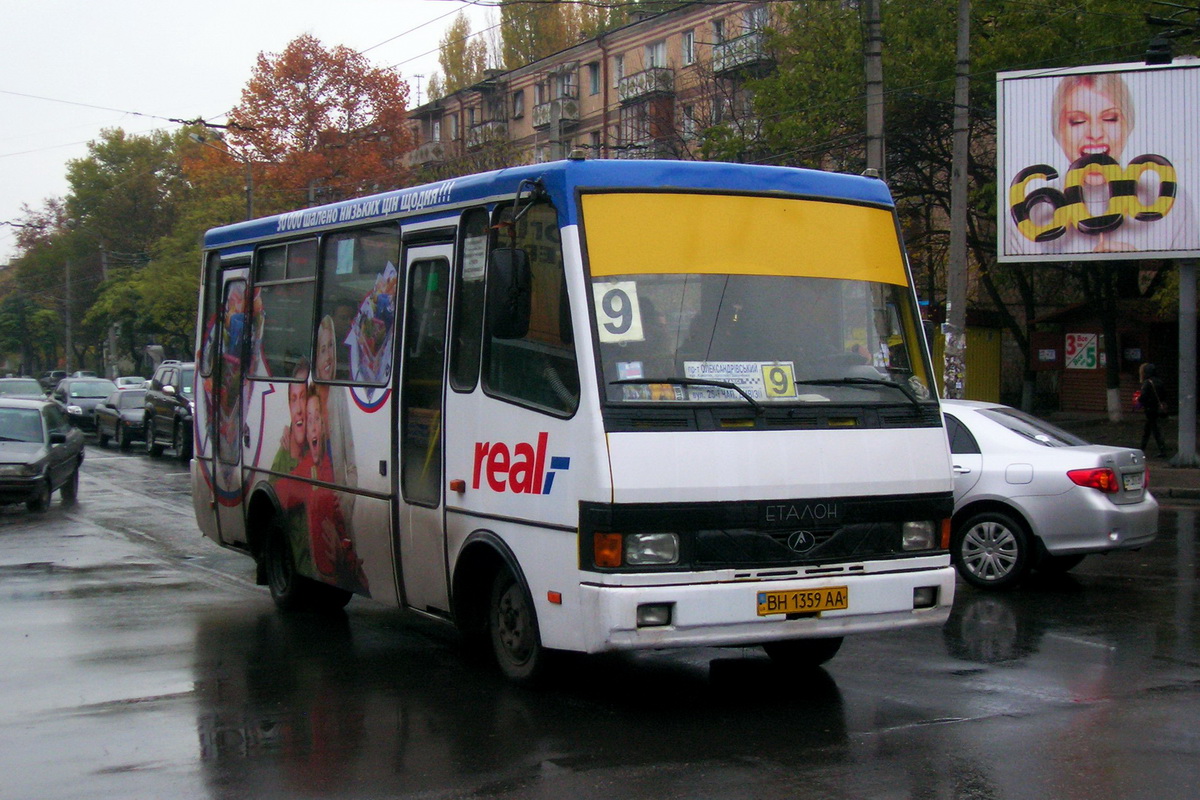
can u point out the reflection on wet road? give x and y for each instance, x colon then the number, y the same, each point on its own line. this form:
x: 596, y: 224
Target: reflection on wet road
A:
x: 140, y: 661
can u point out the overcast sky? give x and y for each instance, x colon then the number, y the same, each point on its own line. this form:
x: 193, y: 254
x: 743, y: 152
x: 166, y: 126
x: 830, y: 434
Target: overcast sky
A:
x: 70, y: 68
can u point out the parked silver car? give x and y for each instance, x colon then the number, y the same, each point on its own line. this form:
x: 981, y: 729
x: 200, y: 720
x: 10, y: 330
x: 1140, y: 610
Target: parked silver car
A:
x: 1029, y: 495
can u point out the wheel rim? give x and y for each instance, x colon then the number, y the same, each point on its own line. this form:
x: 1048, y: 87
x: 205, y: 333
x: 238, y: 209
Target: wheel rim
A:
x: 514, y: 629
x: 990, y: 551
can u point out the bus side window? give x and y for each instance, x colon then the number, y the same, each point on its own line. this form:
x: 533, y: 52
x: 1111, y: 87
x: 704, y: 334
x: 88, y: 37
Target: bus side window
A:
x: 466, y: 335
x: 283, y: 308
x: 358, y: 306
x: 539, y: 369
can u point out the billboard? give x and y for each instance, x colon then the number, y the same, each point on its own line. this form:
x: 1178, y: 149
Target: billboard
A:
x: 1099, y: 163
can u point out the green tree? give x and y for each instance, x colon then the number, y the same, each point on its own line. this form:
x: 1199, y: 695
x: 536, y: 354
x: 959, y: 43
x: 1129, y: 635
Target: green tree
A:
x: 533, y: 29
x: 462, y: 57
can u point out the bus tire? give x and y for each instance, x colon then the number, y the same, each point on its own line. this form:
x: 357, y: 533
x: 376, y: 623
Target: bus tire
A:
x: 292, y: 591
x: 512, y: 625
x: 803, y: 653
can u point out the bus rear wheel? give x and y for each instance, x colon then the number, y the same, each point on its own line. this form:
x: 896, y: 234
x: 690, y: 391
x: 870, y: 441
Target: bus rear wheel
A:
x: 512, y: 624
x: 292, y: 591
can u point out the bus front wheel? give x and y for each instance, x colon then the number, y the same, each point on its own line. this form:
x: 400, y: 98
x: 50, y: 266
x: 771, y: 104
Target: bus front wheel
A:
x: 512, y: 623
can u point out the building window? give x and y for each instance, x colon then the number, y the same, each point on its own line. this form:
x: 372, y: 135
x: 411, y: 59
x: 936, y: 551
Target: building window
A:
x: 754, y: 19
x: 435, y: 132
x: 655, y: 55
x: 471, y: 117
x: 718, y: 31
x: 595, y: 143
x: 594, y: 78
x: 689, y: 47
x: 518, y: 104
x: 539, y: 93
x: 618, y: 69
x: 689, y: 122
x: 566, y: 84
x: 452, y: 126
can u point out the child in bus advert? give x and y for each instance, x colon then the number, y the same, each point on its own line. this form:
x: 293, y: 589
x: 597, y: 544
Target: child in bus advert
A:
x: 1092, y: 198
x: 332, y: 551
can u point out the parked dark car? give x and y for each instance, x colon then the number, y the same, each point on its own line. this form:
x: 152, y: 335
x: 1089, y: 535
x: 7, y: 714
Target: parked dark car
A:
x: 27, y: 388
x: 122, y: 416
x: 50, y: 379
x: 80, y: 396
x: 169, y: 408
x: 39, y: 453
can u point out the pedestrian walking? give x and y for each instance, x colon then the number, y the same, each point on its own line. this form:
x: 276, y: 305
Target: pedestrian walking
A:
x: 1150, y: 397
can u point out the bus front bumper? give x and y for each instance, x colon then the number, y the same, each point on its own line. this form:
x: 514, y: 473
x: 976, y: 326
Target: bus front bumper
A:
x: 722, y: 614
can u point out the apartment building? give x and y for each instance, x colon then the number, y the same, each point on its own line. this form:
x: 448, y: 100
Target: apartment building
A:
x: 645, y: 90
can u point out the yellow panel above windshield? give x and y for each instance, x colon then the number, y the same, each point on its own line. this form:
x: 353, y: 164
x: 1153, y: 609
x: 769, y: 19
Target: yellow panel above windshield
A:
x: 639, y: 233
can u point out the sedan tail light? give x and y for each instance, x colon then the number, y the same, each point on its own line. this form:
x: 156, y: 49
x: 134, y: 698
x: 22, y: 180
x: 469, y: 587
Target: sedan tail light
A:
x: 1101, y: 478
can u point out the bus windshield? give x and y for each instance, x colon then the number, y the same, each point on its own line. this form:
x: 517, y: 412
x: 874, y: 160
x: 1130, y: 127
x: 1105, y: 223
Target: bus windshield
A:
x: 802, y: 324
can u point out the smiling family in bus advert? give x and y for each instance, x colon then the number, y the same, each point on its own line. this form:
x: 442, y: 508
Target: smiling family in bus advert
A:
x: 308, y: 448
x: 1099, y: 163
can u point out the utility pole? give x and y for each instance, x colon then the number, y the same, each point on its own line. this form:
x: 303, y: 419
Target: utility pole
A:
x: 874, y: 73
x: 955, y: 327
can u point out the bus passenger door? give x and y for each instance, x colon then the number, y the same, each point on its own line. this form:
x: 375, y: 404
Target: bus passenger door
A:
x: 225, y: 405
x: 422, y: 540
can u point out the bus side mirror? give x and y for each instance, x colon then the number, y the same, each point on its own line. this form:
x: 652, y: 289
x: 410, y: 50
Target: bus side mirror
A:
x: 508, y: 293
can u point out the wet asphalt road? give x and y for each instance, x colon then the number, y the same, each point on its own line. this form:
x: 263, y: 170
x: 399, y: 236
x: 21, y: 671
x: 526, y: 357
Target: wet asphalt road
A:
x: 137, y: 660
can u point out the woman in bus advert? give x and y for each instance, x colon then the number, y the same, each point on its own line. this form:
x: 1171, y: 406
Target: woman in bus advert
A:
x: 1095, y: 199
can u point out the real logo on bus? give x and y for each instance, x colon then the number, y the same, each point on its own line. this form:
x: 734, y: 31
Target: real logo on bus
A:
x: 519, y: 468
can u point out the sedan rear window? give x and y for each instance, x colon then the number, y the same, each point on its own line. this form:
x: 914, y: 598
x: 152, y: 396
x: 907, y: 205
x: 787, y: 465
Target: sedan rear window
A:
x: 92, y: 388
x: 1032, y: 428
x: 20, y: 425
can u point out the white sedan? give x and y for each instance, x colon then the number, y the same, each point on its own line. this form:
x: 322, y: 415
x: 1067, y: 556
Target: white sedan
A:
x: 1029, y: 495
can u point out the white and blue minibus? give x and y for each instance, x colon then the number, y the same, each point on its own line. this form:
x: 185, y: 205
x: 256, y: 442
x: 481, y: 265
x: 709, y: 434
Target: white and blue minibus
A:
x: 582, y: 406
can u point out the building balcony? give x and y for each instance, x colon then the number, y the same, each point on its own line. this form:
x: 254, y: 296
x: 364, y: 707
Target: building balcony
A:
x: 484, y: 132
x: 656, y: 80
x: 746, y: 51
x: 428, y: 153
x: 566, y: 109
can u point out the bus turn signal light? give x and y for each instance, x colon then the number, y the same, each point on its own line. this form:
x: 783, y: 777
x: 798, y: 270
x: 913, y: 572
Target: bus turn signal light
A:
x: 607, y: 549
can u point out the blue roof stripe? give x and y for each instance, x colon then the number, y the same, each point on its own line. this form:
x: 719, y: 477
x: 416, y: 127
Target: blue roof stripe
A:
x: 562, y: 179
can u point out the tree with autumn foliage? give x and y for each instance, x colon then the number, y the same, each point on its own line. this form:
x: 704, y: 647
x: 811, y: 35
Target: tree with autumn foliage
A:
x: 321, y: 125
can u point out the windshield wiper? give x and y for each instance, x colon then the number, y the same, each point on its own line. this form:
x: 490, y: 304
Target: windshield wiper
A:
x: 857, y: 381
x: 758, y: 410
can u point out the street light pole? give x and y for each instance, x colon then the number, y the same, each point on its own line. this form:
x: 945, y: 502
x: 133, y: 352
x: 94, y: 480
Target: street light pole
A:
x: 227, y: 150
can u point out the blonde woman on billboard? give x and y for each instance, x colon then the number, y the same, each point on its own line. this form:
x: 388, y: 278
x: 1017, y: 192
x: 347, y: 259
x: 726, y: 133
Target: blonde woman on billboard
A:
x: 1103, y: 203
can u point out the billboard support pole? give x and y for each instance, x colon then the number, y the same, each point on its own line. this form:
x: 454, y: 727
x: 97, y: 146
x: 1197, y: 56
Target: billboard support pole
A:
x: 1186, y: 456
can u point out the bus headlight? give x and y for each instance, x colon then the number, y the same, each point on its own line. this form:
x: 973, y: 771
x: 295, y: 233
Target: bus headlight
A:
x: 918, y: 536
x: 642, y: 549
